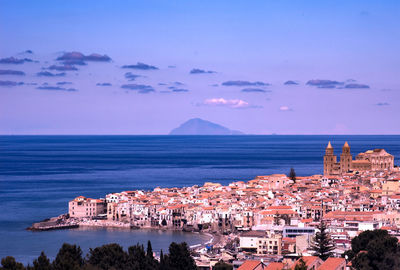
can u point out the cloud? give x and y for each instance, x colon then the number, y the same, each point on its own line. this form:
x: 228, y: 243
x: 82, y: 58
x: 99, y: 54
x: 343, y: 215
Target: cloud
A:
x: 201, y: 71
x: 244, y: 83
x: 49, y: 74
x: 73, y: 56
x: 140, y: 88
x: 254, y: 90
x: 13, y: 60
x: 162, y: 84
x: 324, y: 83
x: 178, y: 90
x: 140, y: 66
x: 63, y: 83
x: 285, y: 109
x: 291, y: 83
x: 382, y: 104
x: 56, y: 88
x: 104, y: 84
x: 171, y: 66
x: 29, y: 51
x: 356, y: 86
x: 178, y: 83
x: 11, y: 72
x: 62, y: 68
x: 74, y: 62
x: 230, y: 103
x: 131, y: 76
x: 10, y: 83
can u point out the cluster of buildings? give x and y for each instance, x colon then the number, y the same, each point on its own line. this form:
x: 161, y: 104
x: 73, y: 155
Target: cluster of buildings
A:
x: 270, y: 219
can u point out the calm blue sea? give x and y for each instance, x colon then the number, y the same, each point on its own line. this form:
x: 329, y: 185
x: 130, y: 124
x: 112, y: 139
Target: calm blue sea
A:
x: 40, y: 174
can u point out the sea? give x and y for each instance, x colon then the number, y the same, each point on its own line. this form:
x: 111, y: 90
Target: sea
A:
x: 40, y: 174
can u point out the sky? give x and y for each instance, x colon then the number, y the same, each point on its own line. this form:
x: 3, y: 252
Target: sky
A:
x: 145, y: 67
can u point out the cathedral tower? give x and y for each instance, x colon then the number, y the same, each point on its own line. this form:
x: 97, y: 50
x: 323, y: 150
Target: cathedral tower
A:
x: 345, y: 158
x: 329, y: 160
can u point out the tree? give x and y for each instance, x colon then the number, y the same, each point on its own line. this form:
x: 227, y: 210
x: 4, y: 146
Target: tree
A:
x: 151, y: 262
x: 179, y: 257
x: 162, y: 265
x: 322, y: 244
x: 69, y: 257
x: 221, y: 265
x: 301, y: 264
x: 107, y: 257
x: 149, y: 252
x: 42, y: 263
x: 374, y: 250
x: 9, y: 263
x: 292, y: 175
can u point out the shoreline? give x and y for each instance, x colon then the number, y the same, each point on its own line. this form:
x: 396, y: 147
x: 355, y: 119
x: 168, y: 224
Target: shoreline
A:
x: 63, y: 223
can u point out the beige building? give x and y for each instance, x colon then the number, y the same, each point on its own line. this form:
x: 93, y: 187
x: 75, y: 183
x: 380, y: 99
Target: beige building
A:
x: 261, y: 243
x: 85, y: 207
x: 371, y: 160
x: 379, y: 159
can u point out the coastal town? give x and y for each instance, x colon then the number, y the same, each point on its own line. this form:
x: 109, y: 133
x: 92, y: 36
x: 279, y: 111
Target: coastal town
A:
x: 268, y: 222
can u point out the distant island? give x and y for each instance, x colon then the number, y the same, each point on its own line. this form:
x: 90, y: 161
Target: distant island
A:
x: 197, y: 126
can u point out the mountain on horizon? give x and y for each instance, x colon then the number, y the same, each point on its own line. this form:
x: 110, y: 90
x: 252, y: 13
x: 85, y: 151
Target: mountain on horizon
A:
x: 197, y: 126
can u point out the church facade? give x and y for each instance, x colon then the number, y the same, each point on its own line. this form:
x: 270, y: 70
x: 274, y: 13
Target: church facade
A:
x: 371, y: 160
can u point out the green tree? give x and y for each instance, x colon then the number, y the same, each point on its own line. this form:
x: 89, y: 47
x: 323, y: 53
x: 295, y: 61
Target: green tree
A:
x: 69, y: 257
x: 139, y: 259
x: 179, y: 257
x: 222, y: 266
x: 322, y: 244
x: 149, y: 252
x: 9, y: 263
x: 374, y: 250
x: 107, y: 257
x: 151, y: 262
x: 292, y: 175
x: 301, y: 265
x: 163, y: 264
x: 42, y: 263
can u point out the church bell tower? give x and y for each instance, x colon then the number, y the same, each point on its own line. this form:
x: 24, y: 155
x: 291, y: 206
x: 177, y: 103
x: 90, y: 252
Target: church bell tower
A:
x: 329, y: 160
x: 345, y: 158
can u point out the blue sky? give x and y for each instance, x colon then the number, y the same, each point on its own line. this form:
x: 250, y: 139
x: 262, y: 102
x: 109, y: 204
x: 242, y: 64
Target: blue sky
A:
x: 342, y: 55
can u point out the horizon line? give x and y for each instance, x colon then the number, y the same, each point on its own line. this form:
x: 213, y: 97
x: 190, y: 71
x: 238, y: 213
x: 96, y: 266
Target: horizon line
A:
x: 239, y: 135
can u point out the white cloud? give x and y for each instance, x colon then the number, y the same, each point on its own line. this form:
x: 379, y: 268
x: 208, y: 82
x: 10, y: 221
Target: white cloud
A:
x: 232, y: 103
x: 285, y: 108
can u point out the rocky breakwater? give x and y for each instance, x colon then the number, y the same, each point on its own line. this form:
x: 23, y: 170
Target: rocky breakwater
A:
x: 55, y: 223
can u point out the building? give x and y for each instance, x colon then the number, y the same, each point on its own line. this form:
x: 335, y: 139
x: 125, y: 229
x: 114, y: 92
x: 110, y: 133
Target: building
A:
x: 252, y: 265
x: 260, y: 243
x: 81, y: 207
x: 378, y: 158
x: 333, y: 264
x: 371, y: 160
x: 292, y: 232
x: 312, y: 262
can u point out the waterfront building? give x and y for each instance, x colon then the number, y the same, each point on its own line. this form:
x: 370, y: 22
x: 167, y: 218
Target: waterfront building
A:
x: 86, y: 207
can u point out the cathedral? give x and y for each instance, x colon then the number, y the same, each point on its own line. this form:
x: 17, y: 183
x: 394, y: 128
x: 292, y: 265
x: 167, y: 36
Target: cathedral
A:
x: 371, y: 160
